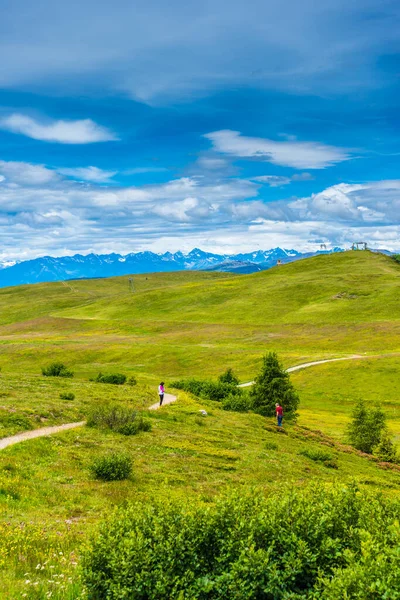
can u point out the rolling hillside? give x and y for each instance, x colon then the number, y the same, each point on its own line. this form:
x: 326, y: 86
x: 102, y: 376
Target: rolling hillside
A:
x: 183, y: 324
x: 174, y: 322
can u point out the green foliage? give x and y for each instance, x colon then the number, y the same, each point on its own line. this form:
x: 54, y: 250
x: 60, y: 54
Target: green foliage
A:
x: 301, y: 544
x: 209, y: 390
x: 229, y: 377
x: 366, y: 428
x: 16, y: 421
x: 272, y: 386
x: 237, y: 403
x: 112, y: 467
x: 317, y: 454
x: 271, y: 446
x: 57, y: 369
x: 114, y: 378
x: 118, y: 418
x: 386, y: 451
x: 396, y: 257
x: 67, y: 396
x: 320, y: 455
x: 132, y: 380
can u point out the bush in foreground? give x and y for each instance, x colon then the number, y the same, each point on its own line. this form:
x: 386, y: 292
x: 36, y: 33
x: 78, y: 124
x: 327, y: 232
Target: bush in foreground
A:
x: 112, y: 467
x: 325, y: 543
x: 57, y: 369
x: 114, y: 378
x: 118, y: 418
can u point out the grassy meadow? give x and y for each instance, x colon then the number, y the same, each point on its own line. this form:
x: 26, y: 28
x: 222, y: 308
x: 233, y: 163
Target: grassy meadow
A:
x: 178, y: 325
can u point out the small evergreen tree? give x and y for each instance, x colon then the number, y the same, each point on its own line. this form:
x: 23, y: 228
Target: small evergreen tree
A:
x: 366, y: 428
x: 386, y: 451
x: 229, y: 377
x: 272, y: 386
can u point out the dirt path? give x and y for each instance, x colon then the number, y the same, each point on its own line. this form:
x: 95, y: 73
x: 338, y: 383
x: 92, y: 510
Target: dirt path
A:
x: 312, y: 364
x: 168, y: 399
x: 45, y: 431
x: 30, y: 435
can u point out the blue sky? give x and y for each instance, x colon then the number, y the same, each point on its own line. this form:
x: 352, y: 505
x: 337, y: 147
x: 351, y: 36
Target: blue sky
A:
x: 225, y: 125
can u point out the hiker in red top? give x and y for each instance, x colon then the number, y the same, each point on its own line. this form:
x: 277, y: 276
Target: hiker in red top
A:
x: 279, y: 414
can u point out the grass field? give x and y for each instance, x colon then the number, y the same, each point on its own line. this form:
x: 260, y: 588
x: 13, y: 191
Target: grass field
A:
x: 177, y: 325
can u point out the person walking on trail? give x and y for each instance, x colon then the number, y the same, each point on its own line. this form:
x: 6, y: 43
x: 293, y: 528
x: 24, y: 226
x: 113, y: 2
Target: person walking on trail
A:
x: 279, y: 414
x: 161, y: 392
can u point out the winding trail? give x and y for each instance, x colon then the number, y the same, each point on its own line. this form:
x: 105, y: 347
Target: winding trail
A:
x: 168, y: 399
x: 312, y: 364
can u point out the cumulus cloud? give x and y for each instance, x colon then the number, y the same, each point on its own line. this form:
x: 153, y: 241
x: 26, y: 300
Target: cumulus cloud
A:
x: 84, y: 131
x: 58, y: 216
x: 299, y: 155
x: 23, y: 173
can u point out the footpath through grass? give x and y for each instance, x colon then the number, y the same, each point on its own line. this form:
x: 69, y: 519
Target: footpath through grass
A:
x: 47, y: 485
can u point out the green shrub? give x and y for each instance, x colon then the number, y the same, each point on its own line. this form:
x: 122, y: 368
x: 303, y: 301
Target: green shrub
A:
x: 209, y: 390
x: 132, y: 380
x: 366, y: 427
x: 112, y: 467
x: 15, y: 420
x: 271, y: 446
x: 316, y: 454
x: 386, y: 451
x: 56, y: 369
x: 273, y: 386
x: 321, y: 542
x: 228, y: 377
x: 114, y: 378
x: 237, y: 403
x: 118, y: 418
x: 67, y: 396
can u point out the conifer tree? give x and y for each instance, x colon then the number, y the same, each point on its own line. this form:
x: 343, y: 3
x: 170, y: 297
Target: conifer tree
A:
x: 386, y: 451
x: 366, y: 428
x: 273, y: 386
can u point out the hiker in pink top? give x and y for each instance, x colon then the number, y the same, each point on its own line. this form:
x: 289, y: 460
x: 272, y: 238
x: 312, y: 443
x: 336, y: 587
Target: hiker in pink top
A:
x: 161, y: 392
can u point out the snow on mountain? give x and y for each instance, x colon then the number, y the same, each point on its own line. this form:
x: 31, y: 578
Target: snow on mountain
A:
x: 48, y: 268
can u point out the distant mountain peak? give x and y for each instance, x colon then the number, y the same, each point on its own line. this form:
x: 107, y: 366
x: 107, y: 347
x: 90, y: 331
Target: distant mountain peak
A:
x: 79, y: 266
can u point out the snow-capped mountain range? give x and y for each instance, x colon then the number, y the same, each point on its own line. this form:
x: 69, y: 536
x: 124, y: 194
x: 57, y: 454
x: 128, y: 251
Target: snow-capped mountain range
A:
x: 48, y: 268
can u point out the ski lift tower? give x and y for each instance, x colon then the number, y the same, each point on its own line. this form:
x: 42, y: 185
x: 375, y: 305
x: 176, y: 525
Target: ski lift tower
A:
x: 359, y: 246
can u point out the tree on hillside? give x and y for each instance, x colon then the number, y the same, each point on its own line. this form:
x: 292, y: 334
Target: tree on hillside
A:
x: 386, y: 451
x: 272, y: 386
x: 366, y: 428
x: 228, y: 377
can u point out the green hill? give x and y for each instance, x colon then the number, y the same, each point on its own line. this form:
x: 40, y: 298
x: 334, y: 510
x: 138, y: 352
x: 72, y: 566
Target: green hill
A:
x: 173, y: 325
x: 324, y: 306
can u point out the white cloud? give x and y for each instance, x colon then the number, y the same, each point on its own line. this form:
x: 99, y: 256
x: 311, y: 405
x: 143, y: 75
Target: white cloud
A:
x: 299, y: 155
x: 273, y: 180
x: 88, y: 174
x: 302, y: 177
x: 85, y: 131
x: 159, y: 50
x: 61, y: 216
x: 26, y: 173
